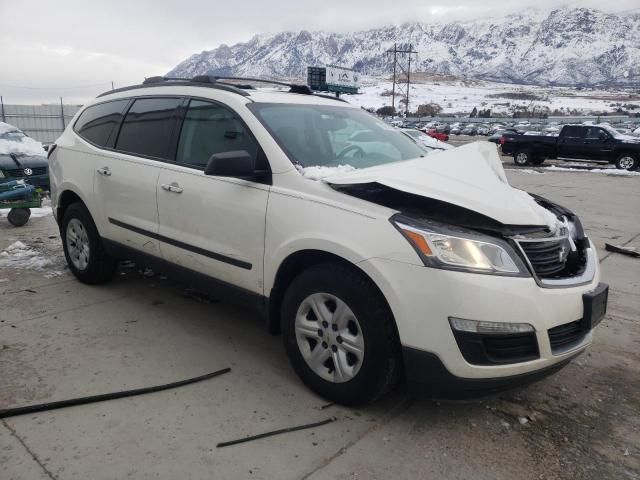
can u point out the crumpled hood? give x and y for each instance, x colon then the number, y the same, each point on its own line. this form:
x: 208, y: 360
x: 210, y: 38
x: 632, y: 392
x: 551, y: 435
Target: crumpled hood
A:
x: 471, y: 177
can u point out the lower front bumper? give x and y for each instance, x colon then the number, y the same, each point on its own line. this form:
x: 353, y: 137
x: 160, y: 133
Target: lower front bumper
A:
x: 426, y: 375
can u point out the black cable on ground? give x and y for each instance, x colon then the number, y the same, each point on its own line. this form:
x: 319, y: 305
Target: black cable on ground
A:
x: 276, y: 432
x: 43, y: 407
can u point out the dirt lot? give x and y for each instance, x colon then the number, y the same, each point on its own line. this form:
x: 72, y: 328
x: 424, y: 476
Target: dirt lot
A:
x: 60, y: 339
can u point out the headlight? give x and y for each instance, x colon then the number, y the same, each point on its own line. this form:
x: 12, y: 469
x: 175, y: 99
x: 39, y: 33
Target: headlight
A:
x: 453, y: 248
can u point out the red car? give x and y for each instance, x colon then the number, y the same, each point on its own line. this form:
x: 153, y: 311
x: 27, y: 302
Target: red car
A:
x: 443, y: 137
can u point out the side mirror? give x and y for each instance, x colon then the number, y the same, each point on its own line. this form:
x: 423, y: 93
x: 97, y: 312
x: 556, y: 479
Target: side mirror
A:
x: 237, y: 164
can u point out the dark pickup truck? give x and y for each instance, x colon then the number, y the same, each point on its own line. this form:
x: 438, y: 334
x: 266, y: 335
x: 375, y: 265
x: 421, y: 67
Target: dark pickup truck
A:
x: 575, y: 142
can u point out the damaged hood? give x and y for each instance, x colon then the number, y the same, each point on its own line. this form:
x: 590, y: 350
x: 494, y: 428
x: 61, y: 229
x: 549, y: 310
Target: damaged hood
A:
x: 471, y: 177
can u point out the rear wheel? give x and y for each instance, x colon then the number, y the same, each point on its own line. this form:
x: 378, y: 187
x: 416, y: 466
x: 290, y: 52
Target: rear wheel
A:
x: 83, y: 247
x: 340, y: 335
x: 627, y: 161
x: 522, y: 158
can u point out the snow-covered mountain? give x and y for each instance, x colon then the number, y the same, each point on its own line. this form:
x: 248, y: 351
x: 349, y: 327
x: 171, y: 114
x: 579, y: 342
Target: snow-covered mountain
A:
x: 566, y: 46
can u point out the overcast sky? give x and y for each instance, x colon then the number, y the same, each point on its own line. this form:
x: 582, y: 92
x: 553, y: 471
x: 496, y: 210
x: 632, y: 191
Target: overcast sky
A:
x: 74, y: 49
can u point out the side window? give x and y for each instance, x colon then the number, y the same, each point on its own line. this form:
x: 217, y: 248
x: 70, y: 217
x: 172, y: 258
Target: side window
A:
x: 593, y: 133
x: 148, y: 126
x: 97, y: 122
x: 209, y: 128
x: 574, y: 132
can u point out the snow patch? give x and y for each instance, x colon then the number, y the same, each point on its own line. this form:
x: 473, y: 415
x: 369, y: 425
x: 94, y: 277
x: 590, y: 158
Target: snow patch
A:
x: 21, y: 257
x: 606, y: 171
x: 27, y: 146
x: 320, y: 173
x: 526, y: 170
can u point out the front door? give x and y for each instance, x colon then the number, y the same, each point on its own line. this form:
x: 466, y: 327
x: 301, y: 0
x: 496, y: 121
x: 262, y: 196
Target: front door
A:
x: 213, y: 225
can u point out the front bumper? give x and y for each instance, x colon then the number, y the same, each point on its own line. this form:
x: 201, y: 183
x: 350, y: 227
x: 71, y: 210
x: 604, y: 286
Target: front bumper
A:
x: 423, y: 299
x: 426, y: 375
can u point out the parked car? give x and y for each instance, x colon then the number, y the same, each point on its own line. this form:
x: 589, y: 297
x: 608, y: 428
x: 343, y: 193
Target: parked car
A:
x: 469, y: 130
x: 22, y: 158
x: 495, y: 137
x: 372, y: 266
x: 425, y: 140
x: 482, y: 130
x: 443, y: 137
x: 582, y: 142
x: 455, y: 130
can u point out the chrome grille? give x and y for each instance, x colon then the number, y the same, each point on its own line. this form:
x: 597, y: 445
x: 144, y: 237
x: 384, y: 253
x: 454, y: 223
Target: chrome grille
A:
x: 19, y: 172
x: 547, y: 256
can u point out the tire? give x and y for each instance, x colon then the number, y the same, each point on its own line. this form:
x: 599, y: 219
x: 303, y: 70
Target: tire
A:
x: 522, y: 158
x: 19, y: 216
x: 627, y: 161
x: 367, y: 323
x: 83, y: 247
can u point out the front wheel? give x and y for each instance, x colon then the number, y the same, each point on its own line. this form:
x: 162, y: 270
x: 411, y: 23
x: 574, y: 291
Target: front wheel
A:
x: 340, y: 335
x: 627, y: 161
x: 83, y: 248
x: 522, y: 158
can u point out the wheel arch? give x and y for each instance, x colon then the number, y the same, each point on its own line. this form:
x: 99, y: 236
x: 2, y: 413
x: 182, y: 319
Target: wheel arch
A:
x: 294, y: 264
x: 66, y: 198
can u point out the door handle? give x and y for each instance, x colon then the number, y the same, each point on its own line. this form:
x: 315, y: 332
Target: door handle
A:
x: 172, y: 187
x: 104, y: 171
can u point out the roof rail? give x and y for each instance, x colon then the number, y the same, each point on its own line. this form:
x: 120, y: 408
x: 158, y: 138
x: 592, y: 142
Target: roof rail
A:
x: 293, y: 87
x: 213, y: 81
x: 159, y: 81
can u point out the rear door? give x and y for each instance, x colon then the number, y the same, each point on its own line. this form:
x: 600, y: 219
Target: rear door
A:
x: 571, y: 142
x: 126, y: 178
x: 213, y: 225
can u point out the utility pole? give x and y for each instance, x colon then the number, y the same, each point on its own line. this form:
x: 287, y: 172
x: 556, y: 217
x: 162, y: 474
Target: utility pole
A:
x: 399, y: 66
x: 62, y: 115
x: 4, y: 119
x: 393, y: 89
x: 112, y: 88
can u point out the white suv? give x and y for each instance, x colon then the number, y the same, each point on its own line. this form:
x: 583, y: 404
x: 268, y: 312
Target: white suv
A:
x: 375, y: 262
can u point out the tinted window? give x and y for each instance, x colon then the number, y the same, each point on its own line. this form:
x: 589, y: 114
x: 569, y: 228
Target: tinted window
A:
x: 209, y: 128
x: 574, y: 132
x: 594, y: 133
x: 148, y: 126
x: 97, y: 122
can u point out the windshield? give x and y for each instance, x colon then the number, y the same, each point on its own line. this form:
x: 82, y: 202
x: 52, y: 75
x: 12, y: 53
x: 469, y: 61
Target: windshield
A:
x: 323, y: 135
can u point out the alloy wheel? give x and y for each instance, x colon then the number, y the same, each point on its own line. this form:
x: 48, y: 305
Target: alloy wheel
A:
x: 329, y: 337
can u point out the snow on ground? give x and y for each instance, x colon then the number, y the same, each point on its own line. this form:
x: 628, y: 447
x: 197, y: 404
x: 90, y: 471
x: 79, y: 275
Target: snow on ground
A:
x: 44, y: 211
x: 461, y: 96
x: 20, y: 256
x: 606, y: 171
x: 525, y: 170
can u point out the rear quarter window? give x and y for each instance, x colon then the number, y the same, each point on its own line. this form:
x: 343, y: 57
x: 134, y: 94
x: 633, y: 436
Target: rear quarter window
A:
x: 97, y: 123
